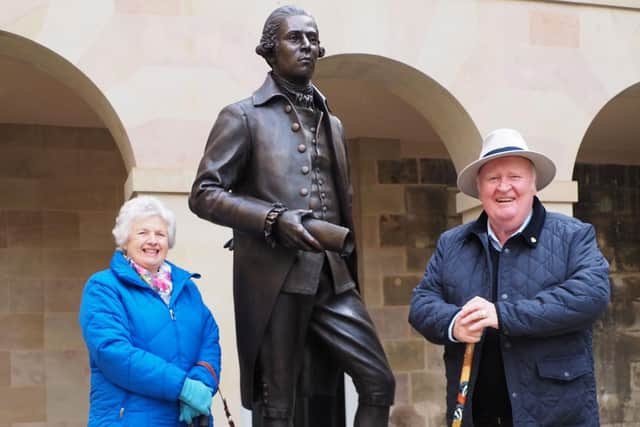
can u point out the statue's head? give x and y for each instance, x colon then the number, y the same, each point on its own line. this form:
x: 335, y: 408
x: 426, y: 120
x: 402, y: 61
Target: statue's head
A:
x: 290, y: 44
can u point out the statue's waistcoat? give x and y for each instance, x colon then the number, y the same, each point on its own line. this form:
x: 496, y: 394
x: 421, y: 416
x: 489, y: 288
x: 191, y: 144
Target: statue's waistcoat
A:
x: 324, y: 204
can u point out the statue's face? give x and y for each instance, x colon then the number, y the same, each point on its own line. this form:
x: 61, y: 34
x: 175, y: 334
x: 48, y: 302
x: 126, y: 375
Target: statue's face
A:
x: 297, y: 49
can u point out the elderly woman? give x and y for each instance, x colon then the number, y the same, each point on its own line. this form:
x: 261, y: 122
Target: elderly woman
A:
x: 153, y: 344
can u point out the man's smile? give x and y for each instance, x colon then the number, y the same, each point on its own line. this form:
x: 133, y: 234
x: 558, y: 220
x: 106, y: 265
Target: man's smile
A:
x: 505, y: 199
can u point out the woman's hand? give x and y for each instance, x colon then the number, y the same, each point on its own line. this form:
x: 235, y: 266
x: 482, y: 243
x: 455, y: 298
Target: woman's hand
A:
x: 187, y: 413
x: 197, y: 395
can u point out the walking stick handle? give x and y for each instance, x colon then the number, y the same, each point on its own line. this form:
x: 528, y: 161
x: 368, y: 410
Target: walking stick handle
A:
x: 463, y: 388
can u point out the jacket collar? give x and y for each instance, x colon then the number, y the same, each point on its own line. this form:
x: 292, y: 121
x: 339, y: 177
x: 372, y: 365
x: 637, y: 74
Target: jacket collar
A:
x: 530, y: 235
x: 123, y: 270
x: 270, y: 90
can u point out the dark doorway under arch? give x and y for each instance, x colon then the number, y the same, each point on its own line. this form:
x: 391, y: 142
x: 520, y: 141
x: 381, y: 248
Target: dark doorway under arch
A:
x: 608, y: 173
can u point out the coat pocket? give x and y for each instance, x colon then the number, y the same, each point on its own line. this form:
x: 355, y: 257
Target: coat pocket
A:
x: 561, y: 389
x: 564, y: 369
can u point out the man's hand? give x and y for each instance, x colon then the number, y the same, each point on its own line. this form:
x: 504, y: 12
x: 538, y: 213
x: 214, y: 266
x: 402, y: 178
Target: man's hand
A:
x: 476, y: 315
x: 290, y: 232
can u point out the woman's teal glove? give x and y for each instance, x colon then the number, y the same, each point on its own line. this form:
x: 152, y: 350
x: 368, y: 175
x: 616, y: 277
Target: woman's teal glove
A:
x: 197, y: 395
x: 187, y: 413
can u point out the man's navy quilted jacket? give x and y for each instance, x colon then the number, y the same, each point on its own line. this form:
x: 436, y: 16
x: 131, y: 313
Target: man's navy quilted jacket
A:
x: 552, y: 284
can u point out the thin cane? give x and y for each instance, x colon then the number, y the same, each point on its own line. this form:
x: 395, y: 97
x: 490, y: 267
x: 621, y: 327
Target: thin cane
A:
x: 204, y: 421
x: 212, y: 371
x: 227, y: 413
x: 464, y: 385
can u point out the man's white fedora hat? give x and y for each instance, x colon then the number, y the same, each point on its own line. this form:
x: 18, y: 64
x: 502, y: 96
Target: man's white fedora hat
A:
x: 504, y: 143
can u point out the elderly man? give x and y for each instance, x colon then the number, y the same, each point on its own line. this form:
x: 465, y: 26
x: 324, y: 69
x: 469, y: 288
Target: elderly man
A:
x: 524, y: 283
x: 275, y: 164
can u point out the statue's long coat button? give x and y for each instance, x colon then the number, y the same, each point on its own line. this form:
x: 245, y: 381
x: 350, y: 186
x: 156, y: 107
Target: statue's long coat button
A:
x: 302, y: 148
x: 295, y: 127
x: 304, y: 192
x: 287, y: 108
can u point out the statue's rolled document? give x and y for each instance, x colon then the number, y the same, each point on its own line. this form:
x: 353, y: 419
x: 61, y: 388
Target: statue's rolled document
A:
x: 332, y: 237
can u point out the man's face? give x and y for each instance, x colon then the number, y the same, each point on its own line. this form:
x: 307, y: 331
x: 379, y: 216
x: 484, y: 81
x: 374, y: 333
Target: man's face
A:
x: 506, y: 188
x: 297, y: 49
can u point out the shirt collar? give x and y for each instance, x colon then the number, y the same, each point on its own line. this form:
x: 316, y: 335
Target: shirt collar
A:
x: 530, y: 232
x: 494, y: 239
x: 270, y: 89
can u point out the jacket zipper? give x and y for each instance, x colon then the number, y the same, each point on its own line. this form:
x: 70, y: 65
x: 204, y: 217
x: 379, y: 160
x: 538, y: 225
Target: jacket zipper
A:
x: 123, y: 406
x: 172, y: 313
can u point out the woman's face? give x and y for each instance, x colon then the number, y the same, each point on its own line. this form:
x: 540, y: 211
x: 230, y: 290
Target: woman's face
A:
x: 148, y: 242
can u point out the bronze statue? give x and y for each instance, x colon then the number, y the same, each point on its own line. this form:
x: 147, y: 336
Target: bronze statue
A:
x: 275, y: 169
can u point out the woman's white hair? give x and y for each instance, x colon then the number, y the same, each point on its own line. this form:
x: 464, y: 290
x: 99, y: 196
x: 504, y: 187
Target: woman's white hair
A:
x: 138, y: 208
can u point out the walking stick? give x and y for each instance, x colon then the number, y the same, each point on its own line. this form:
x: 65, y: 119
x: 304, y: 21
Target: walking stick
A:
x: 464, y: 385
x: 227, y: 413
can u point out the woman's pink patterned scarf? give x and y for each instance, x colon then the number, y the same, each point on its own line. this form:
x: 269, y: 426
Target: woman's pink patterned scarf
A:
x: 160, y: 281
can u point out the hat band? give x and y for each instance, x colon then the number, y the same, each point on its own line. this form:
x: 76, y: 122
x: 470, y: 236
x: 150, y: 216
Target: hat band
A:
x: 502, y: 150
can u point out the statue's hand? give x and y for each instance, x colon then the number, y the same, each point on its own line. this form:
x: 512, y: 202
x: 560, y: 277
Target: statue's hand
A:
x: 290, y: 232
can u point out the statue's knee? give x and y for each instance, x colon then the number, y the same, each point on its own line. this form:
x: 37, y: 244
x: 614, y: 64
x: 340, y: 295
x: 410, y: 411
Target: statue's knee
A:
x: 382, y: 390
x: 389, y: 381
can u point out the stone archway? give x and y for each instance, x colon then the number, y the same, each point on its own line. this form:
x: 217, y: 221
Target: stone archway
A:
x: 424, y: 95
x: 405, y: 132
x: 59, y: 69
x: 63, y: 162
x: 608, y: 174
